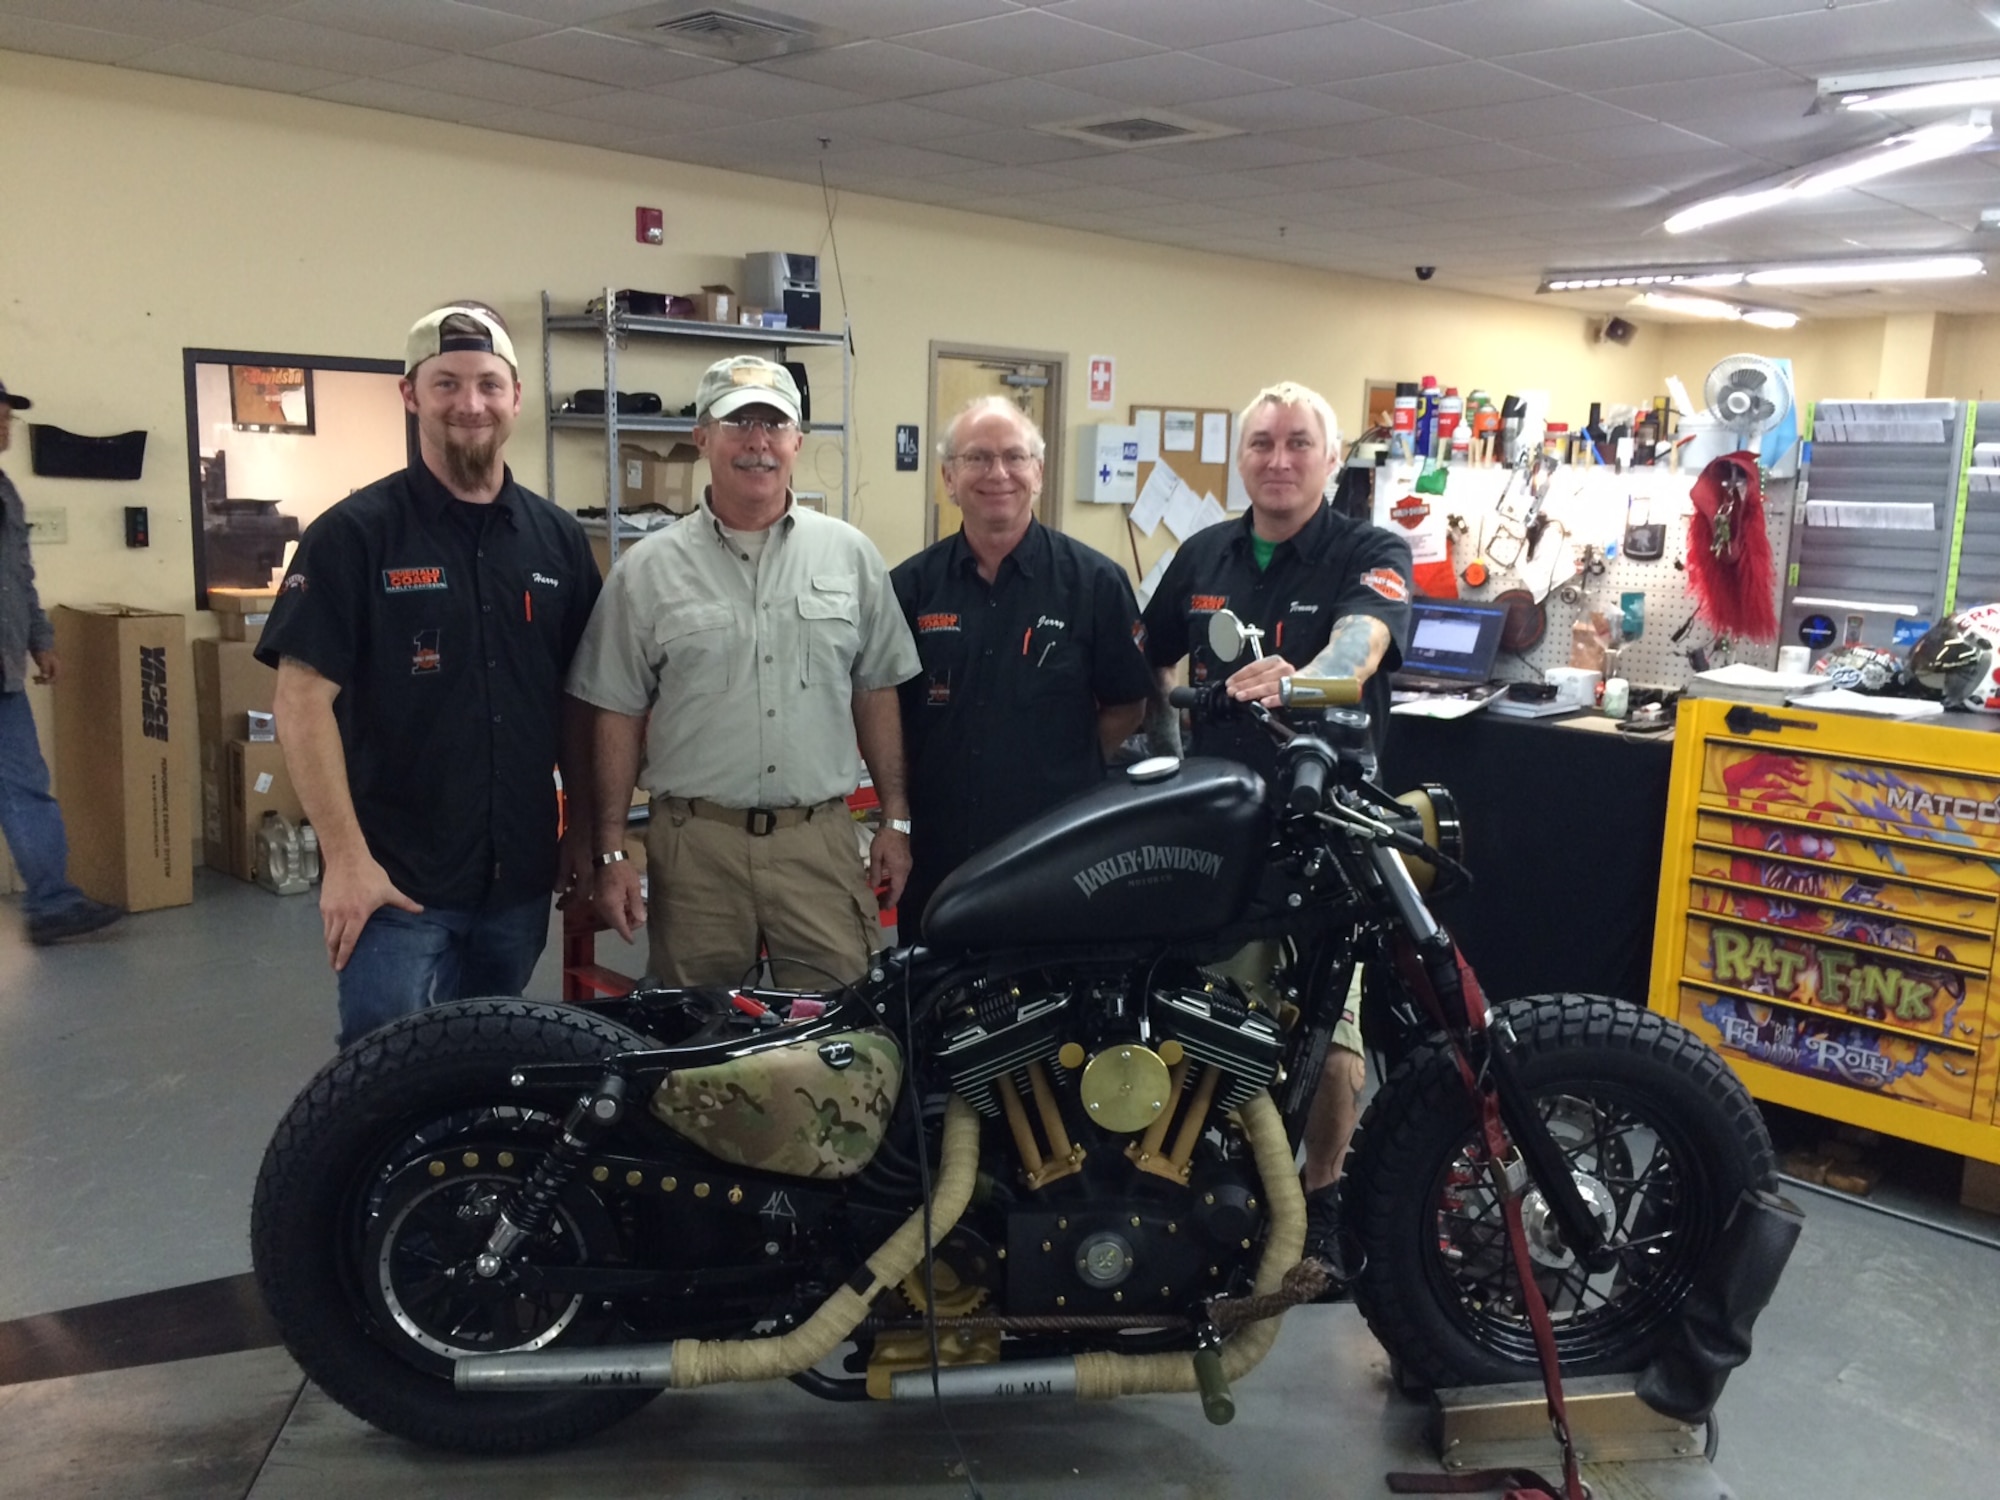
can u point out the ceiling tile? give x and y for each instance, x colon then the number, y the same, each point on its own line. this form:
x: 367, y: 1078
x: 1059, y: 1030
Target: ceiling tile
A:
x: 1190, y: 212
x: 1236, y: 153
x: 140, y: 18
x: 1763, y: 113
x: 1099, y: 199
x: 1021, y: 148
x: 404, y: 99
x: 1882, y: 34
x: 53, y: 39
x: 882, y: 18
x: 895, y: 122
x: 445, y: 24
x: 1193, y: 25
x: 1467, y: 157
x: 649, y: 113
x: 1525, y: 119
x: 1384, y: 133
x: 882, y: 70
x: 899, y: 161
x: 1216, y: 187
x: 546, y: 125
x: 1670, y: 57
x: 1009, y: 181
x: 300, y: 44
x: 618, y: 61
x: 480, y: 78
x: 752, y: 91
x: 1325, y: 178
x: 1714, y: 12
x: 1024, y: 41
x: 1409, y: 192
x: 1163, y: 80
x: 1018, y: 101
x: 1456, y: 85
x: 1121, y: 168
x: 560, y: 12
x: 187, y: 60
x: 1327, y: 54
x: 1284, y: 109
x: 1528, y: 25
x: 784, y: 142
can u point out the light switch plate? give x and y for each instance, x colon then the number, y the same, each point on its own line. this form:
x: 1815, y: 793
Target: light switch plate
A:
x: 47, y: 524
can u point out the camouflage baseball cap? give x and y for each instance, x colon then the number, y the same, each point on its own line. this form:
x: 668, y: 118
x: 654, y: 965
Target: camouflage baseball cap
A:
x: 745, y: 380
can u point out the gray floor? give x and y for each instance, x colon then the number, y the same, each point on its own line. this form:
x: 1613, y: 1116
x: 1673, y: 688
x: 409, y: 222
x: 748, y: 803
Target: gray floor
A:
x: 141, y: 1072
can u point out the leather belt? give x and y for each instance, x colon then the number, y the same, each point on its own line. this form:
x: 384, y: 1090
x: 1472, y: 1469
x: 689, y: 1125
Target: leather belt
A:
x: 756, y: 821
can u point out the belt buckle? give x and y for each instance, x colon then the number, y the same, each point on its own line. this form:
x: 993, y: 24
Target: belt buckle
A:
x: 761, y: 821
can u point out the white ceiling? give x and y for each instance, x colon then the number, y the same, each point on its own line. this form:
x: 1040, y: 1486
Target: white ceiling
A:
x: 1493, y: 139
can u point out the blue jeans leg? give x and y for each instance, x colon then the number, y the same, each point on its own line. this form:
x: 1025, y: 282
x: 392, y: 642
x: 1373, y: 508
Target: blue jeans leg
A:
x: 29, y: 816
x: 406, y: 961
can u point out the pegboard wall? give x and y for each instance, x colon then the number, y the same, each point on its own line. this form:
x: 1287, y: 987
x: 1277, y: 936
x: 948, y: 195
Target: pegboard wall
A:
x: 1587, y: 506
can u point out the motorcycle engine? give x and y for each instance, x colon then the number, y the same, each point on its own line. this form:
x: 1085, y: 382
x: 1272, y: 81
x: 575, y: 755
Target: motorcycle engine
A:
x: 1135, y: 1201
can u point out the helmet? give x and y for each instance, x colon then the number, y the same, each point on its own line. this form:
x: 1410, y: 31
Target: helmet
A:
x: 1865, y: 669
x: 1960, y: 659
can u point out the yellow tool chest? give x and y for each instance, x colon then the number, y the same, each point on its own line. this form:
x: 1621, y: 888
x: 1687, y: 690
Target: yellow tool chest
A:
x: 1828, y: 898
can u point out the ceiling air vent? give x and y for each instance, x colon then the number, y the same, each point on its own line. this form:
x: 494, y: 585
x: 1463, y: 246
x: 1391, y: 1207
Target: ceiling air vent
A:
x: 733, y: 33
x: 1148, y: 128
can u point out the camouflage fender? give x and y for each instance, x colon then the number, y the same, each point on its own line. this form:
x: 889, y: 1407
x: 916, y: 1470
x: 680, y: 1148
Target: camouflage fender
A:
x: 799, y: 1110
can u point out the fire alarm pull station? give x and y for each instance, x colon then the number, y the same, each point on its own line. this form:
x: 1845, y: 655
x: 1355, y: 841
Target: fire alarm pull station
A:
x: 652, y: 226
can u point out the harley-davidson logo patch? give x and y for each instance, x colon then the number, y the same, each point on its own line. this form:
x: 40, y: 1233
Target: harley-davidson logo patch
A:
x: 1199, y: 604
x: 411, y: 580
x: 425, y: 658
x: 930, y: 624
x: 1387, y: 582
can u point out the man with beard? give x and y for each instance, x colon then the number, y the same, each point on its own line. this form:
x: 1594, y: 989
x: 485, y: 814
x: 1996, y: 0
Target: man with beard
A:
x: 746, y: 650
x: 421, y: 636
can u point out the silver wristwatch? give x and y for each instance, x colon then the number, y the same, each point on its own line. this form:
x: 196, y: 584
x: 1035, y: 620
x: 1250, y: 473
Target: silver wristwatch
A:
x: 615, y: 857
x: 897, y: 825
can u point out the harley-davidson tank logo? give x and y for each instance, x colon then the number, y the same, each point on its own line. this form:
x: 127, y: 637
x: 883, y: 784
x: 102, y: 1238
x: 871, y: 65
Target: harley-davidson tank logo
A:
x: 1147, y: 859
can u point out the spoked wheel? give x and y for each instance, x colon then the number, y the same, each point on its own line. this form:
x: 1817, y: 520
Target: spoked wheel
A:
x: 1661, y: 1139
x: 378, y: 1193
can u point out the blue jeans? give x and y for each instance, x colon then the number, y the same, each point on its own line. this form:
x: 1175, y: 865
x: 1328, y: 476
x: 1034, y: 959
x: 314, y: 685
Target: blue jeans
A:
x: 29, y: 815
x: 406, y: 961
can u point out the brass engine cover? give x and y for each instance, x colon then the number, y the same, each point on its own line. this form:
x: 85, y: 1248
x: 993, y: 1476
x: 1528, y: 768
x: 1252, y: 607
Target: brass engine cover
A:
x: 1125, y: 1087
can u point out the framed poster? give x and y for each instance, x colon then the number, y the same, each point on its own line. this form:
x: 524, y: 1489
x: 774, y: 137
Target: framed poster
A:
x: 271, y: 398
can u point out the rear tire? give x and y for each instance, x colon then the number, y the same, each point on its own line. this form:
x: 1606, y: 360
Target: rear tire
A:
x: 1662, y: 1137
x: 382, y: 1176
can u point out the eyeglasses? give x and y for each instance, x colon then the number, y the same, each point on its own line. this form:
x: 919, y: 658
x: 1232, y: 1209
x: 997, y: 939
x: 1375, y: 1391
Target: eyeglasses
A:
x: 754, y: 426
x: 1014, y: 460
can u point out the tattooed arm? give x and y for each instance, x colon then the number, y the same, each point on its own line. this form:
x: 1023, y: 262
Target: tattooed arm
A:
x: 1354, y: 649
x: 1163, y: 721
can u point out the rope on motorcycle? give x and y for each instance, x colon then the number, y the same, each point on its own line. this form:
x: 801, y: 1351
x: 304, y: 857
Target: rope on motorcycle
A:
x: 1303, y: 1283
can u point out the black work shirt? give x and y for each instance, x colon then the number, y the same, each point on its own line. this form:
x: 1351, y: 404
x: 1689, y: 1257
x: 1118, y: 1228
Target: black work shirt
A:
x: 449, y: 628
x: 1331, y: 568
x: 1001, y: 724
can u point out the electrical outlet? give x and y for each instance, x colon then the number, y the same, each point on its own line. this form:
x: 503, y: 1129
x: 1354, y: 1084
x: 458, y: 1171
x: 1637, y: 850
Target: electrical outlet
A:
x: 47, y: 524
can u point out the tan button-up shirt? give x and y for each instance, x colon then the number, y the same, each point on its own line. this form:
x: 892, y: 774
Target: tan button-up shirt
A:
x: 749, y: 667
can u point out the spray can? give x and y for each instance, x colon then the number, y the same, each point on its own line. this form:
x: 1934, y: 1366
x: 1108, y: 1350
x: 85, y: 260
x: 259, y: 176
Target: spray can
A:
x: 1427, y: 406
x: 1451, y: 414
x: 1403, y: 422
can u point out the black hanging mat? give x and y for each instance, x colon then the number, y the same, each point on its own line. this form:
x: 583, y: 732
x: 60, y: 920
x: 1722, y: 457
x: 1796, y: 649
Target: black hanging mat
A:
x: 57, y: 454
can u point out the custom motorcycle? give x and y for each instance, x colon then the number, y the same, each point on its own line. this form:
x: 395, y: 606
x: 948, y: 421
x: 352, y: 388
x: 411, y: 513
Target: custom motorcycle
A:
x: 1049, y: 1151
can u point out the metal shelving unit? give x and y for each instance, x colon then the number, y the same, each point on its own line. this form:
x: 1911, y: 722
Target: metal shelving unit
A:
x: 614, y: 328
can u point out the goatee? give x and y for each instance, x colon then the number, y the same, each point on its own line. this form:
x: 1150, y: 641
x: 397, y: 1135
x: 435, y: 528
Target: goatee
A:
x: 469, y: 461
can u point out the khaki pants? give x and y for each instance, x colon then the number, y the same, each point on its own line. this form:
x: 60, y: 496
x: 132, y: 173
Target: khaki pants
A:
x: 715, y: 891
x: 1253, y: 966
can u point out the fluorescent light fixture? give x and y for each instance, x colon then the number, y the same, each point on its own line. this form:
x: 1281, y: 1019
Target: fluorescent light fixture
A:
x: 1911, y: 148
x: 1940, y: 86
x: 1710, y: 308
x: 1637, y: 276
x: 1770, y: 317
x: 1955, y: 95
x: 1833, y: 272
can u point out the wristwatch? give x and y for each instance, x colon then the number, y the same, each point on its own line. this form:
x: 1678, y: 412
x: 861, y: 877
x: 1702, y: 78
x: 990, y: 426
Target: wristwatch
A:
x: 897, y: 825
x: 615, y: 857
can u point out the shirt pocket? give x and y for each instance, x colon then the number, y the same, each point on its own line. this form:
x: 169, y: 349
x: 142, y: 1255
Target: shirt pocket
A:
x: 696, y: 641
x: 829, y: 629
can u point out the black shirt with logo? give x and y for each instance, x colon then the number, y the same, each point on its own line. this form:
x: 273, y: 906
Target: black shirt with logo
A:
x: 1333, y: 567
x: 1001, y: 724
x: 449, y: 628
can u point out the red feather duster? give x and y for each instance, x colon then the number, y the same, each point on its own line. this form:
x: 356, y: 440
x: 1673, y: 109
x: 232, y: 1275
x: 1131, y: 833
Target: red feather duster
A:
x: 1731, y: 572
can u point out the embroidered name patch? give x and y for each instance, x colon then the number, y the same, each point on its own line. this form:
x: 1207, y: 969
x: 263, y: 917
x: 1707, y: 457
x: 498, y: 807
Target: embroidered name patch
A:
x: 1387, y: 582
x: 411, y: 580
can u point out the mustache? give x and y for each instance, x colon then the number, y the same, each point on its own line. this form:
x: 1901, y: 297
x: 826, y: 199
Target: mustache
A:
x: 752, y: 462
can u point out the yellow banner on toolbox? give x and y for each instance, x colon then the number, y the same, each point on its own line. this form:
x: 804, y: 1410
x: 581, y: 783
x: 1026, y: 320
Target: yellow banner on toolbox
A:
x: 1833, y: 1051
x: 1892, y: 988
x: 1837, y: 851
x: 1963, y: 811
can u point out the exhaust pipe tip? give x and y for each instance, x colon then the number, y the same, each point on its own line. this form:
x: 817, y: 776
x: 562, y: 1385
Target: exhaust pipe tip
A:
x: 645, y: 1367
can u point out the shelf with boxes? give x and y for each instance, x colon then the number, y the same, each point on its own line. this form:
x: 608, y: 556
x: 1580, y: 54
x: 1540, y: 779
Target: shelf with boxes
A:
x: 637, y: 473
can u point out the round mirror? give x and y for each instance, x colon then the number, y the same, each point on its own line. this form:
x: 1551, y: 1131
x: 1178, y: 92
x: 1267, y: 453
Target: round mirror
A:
x: 1228, y: 635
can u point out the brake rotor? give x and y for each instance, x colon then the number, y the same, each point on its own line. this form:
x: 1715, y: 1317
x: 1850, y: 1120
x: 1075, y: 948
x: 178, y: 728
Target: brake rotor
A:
x: 1527, y: 622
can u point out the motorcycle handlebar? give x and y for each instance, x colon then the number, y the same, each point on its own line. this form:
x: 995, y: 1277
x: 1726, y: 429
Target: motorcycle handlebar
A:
x: 1305, y: 788
x: 1319, y: 692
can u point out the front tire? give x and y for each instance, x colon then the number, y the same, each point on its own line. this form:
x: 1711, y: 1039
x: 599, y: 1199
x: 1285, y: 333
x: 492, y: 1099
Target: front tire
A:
x: 1662, y: 1138
x: 379, y: 1184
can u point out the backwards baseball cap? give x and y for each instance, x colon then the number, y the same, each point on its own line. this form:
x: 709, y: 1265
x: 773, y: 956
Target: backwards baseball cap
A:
x: 745, y: 380
x: 428, y: 337
x: 18, y: 403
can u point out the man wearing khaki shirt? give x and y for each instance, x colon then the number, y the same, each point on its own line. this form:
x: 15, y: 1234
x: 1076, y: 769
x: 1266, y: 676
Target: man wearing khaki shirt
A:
x: 746, y: 650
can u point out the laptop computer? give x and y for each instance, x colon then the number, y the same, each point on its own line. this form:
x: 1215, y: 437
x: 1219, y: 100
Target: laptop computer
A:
x: 1453, y: 645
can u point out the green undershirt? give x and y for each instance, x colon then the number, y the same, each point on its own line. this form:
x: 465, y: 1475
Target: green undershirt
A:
x: 1262, y: 550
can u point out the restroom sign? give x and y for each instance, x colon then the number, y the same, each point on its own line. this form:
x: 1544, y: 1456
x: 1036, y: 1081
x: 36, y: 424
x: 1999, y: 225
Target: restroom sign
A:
x: 1102, y: 370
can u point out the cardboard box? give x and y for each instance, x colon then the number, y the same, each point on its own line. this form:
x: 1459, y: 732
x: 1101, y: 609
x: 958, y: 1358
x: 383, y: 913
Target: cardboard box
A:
x: 229, y: 685
x: 125, y: 734
x: 750, y: 317
x: 649, y: 477
x: 258, y: 783
x: 715, y: 304
x: 1980, y: 1187
x: 241, y: 612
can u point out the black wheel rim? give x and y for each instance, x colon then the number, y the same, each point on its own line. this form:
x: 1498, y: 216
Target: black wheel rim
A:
x: 1644, y: 1176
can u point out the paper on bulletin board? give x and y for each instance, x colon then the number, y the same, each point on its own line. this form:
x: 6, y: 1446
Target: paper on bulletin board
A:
x: 1214, y: 437
x: 1154, y: 496
x: 1153, y: 576
x: 1238, y: 498
x: 1211, y: 512
x: 1148, y: 423
x: 1184, y: 512
x: 1177, y: 432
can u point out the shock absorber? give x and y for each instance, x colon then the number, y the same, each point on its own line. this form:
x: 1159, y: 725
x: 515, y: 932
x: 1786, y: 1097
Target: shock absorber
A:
x: 526, y: 1213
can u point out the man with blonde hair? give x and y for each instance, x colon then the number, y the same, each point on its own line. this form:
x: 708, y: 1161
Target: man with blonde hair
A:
x: 1332, y: 597
x: 1033, y: 672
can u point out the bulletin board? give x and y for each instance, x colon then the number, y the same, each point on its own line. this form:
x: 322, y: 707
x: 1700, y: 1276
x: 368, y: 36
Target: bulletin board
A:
x: 1203, y: 477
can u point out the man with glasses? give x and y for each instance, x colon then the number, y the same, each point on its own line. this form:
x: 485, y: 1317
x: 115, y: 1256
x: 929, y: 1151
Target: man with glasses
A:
x: 1332, y: 597
x: 1033, y: 668
x: 746, y: 650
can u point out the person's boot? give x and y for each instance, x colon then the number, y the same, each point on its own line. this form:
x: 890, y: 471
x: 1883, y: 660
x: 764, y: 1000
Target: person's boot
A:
x: 1331, y: 1245
x: 72, y: 921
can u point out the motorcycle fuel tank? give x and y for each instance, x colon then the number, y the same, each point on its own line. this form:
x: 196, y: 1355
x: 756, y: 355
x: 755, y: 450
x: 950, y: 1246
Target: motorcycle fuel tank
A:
x: 1130, y: 861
